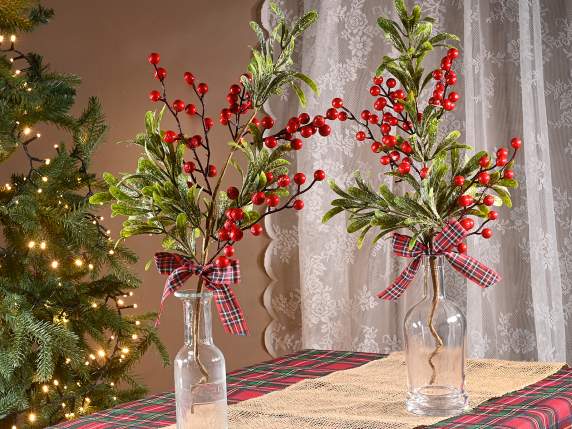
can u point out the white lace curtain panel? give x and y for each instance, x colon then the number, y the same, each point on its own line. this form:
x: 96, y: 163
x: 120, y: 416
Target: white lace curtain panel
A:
x: 515, y: 79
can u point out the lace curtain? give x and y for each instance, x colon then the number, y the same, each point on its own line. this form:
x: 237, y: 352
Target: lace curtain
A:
x: 515, y: 79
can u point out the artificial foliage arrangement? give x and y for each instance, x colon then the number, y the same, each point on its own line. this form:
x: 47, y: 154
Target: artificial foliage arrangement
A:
x: 68, y: 334
x: 440, y: 194
x: 177, y: 192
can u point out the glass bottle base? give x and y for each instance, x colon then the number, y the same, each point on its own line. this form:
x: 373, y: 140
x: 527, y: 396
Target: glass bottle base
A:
x: 435, y: 400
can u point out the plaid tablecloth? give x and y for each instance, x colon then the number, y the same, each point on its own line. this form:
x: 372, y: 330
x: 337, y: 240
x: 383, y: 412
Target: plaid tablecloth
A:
x: 543, y: 405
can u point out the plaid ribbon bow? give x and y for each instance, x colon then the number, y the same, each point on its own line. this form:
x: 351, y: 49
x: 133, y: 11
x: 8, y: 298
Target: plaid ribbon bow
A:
x: 451, y: 235
x: 217, y: 280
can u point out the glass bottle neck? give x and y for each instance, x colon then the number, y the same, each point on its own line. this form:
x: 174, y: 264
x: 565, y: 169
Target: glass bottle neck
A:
x: 197, y: 312
x: 434, y: 277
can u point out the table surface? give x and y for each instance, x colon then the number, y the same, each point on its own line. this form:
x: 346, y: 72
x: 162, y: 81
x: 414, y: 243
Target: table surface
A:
x: 543, y: 405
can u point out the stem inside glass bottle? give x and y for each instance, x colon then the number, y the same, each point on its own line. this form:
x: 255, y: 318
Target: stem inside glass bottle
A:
x: 434, y: 268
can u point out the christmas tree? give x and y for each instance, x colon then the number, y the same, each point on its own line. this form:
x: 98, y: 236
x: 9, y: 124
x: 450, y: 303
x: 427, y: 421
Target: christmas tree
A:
x: 68, y: 339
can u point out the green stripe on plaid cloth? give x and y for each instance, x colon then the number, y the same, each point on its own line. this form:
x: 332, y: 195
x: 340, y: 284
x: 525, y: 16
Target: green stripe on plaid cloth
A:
x: 159, y: 410
x: 546, y: 404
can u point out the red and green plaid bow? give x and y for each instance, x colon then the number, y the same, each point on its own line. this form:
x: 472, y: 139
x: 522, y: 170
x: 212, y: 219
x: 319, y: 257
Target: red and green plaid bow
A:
x: 218, y: 280
x: 443, y: 243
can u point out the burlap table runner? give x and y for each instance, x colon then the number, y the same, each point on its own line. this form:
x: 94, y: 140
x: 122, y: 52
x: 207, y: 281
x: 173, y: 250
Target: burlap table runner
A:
x: 372, y: 396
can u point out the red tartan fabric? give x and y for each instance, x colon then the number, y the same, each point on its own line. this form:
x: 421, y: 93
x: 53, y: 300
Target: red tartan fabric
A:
x: 543, y: 405
x: 218, y: 280
x: 451, y: 235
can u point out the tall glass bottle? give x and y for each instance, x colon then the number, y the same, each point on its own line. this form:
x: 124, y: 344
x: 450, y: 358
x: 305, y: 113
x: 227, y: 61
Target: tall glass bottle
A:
x: 435, y: 335
x: 200, y: 374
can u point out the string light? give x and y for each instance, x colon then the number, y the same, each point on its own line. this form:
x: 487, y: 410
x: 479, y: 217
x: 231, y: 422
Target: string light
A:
x: 87, y: 400
x: 39, y: 190
x: 56, y: 383
x: 48, y: 161
x: 1, y: 38
x: 90, y: 266
x: 45, y: 388
x: 44, y: 179
x: 43, y: 245
x: 26, y: 130
x: 120, y: 302
x: 101, y: 353
x: 134, y: 305
x: 93, y: 305
x: 55, y: 264
x: 8, y: 187
x: 78, y: 262
x: 134, y: 337
x: 32, y: 417
x: 68, y: 360
x: 111, y: 252
x: 92, y: 356
x: 130, y: 293
x: 124, y: 350
x: 63, y: 404
x: 31, y: 244
x: 137, y: 322
x: 13, y: 38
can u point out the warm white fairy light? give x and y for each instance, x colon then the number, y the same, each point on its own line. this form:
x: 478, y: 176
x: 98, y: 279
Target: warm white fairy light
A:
x: 86, y: 363
x: 78, y: 262
x: 31, y: 244
x: 111, y: 252
x: 135, y: 305
x: 8, y: 187
x: 125, y: 350
x: 48, y: 161
x: 32, y: 417
x: 17, y: 72
x: 137, y: 322
x: 90, y: 266
x: 134, y: 337
x: 26, y: 130
x: 87, y: 400
x: 55, y: 264
x: 63, y: 404
x: 101, y: 353
x: 45, y: 388
x: 39, y: 190
x: 56, y: 146
x: 56, y: 383
x: 13, y: 38
x: 44, y: 179
x: 93, y: 305
x: 43, y: 245
x: 92, y: 356
x: 68, y: 360
x: 120, y: 302
x: 130, y: 293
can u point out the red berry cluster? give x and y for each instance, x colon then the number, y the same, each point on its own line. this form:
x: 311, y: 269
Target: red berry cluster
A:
x: 488, y: 174
x: 239, y: 104
x: 445, y: 77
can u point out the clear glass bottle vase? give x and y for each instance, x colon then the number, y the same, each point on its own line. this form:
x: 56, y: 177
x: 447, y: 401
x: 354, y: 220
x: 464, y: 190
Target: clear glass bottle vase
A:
x: 200, y: 374
x: 435, y: 335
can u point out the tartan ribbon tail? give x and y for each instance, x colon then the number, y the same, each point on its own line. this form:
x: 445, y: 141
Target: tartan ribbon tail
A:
x: 229, y: 310
x: 474, y: 270
x: 400, y: 284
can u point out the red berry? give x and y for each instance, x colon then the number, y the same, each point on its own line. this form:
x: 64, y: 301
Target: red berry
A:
x: 516, y: 143
x: 256, y: 229
x: 385, y: 160
x: 452, y: 53
x: 375, y: 91
x: 154, y: 58
x: 406, y: 148
x: 325, y: 130
x: 365, y: 114
x: 448, y: 105
x: 492, y: 215
x: 160, y: 73
x: 342, y: 116
x: 398, y: 107
x: 451, y: 80
x: 508, y: 174
x: 319, y: 175
x: 232, y: 192
x: 272, y: 200
x: 299, y: 178
x: 154, y: 96
x: 209, y: 123
x: 385, y: 129
x: 298, y: 205
x: 202, y: 89
x: 380, y: 103
x: 465, y: 200
x: 296, y: 144
x: 234, y: 89
x: 423, y: 173
x: 376, y: 147
x: 454, y: 97
x: 484, y: 178
x: 502, y: 152
x: 212, y: 172
x: 484, y: 161
x: 360, y: 136
x: 332, y: 114
x: 191, y: 109
x: 488, y: 200
x: 228, y: 251
x: 446, y: 64
x: 338, y: 103
x: 501, y: 161
x: 462, y: 248
x: 270, y: 142
x: 189, y: 78
x: 269, y: 176
x: 188, y: 167
x: 222, y: 262
x: 487, y: 233
x: 223, y: 235
x: 283, y: 181
x: 378, y: 80
x: 235, y: 234
x: 170, y: 136
x: 304, y: 118
x: 399, y: 94
x: 391, y: 82
x: 437, y: 74
x: 467, y: 223
x: 394, y: 155
x: 258, y: 198
x: 459, y: 180
x: 267, y: 122
x: 178, y: 105
x: 194, y: 142
x: 318, y: 121
x: 404, y: 168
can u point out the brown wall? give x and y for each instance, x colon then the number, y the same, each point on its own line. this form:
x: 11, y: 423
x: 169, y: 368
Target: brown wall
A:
x: 106, y: 43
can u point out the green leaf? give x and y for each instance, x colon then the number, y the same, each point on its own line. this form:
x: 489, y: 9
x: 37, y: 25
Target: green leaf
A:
x: 508, y: 183
x: 308, y: 81
x: 504, y: 195
x: 331, y: 213
x: 100, y: 198
x: 299, y: 93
